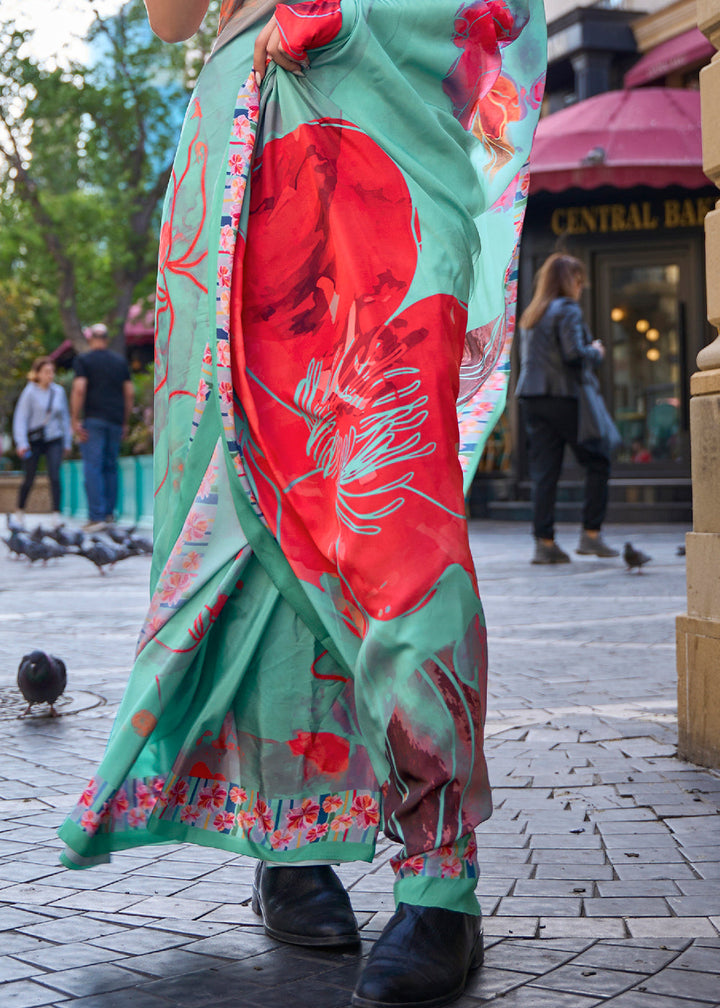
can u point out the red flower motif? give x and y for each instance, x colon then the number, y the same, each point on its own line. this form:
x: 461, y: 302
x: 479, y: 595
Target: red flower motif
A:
x: 246, y: 821
x: 89, y: 821
x: 190, y: 814
x: 136, y: 818
x: 332, y: 803
x: 196, y: 527
x: 410, y: 866
x: 341, y: 822
x: 86, y: 798
x: 451, y: 868
x: 366, y: 811
x: 238, y: 795
x: 145, y: 798
x: 280, y: 838
x: 214, y: 796
x: 316, y: 832
x: 264, y: 815
x: 178, y: 792
x: 174, y: 585
x: 302, y: 815
x: 328, y: 354
x: 479, y: 28
x: 224, y: 821
x: 120, y: 803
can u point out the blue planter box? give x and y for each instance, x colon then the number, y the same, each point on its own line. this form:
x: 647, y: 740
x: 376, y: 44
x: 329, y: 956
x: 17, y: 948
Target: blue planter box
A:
x: 135, y: 489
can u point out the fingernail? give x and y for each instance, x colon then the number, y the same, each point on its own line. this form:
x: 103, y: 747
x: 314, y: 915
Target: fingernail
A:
x: 297, y: 73
x: 258, y: 78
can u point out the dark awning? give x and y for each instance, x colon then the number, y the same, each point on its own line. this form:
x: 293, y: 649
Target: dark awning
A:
x: 648, y: 136
x: 686, y: 50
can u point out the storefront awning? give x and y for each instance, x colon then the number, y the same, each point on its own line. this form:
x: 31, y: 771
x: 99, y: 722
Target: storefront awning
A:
x: 649, y: 136
x: 684, y: 50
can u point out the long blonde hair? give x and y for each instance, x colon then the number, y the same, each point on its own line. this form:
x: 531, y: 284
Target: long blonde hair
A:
x: 556, y: 278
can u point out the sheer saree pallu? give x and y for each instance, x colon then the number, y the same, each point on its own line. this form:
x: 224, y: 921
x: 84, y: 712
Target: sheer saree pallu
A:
x: 336, y: 275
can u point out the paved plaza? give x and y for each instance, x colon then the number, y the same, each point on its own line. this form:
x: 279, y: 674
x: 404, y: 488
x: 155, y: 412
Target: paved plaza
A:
x: 600, y: 866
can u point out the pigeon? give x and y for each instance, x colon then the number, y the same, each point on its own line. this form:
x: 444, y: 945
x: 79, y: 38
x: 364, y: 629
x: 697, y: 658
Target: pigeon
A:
x: 14, y: 543
x: 39, y: 533
x: 68, y: 537
x: 139, y: 545
x: 681, y: 551
x: 136, y: 544
x: 13, y: 525
x: 634, y: 557
x: 119, y: 535
x: 103, y: 554
x: 41, y: 678
x: 42, y: 550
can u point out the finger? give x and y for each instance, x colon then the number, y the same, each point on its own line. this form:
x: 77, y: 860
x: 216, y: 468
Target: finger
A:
x: 279, y: 56
x: 260, y: 50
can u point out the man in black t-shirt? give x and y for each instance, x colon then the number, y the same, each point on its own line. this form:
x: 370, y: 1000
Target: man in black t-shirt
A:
x: 102, y: 394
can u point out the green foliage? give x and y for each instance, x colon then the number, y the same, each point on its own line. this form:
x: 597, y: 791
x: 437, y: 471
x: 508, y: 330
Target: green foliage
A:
x: 87, y: 152
x: 140, y: 428
x: 20, y: 344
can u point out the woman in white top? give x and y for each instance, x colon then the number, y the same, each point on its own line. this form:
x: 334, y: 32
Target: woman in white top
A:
x: 41, y: 426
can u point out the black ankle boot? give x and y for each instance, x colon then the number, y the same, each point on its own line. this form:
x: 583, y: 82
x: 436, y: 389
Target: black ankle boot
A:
x: 304, y: 906
x: 421, y: 960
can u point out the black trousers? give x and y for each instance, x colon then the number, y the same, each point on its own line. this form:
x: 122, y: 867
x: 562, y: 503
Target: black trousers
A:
x: 53, y: 452
x: 551, y: 423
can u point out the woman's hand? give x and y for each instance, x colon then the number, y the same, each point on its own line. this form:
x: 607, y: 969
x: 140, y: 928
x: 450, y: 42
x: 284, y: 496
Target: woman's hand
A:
x: 597, y: 344
x: 23, y: 452
x: 268, y: 46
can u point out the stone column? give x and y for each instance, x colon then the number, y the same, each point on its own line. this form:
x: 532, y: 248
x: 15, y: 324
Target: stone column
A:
x: 698, y: 633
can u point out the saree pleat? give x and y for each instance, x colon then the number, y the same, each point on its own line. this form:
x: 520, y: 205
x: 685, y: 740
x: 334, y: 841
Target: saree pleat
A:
x: 337, y: 277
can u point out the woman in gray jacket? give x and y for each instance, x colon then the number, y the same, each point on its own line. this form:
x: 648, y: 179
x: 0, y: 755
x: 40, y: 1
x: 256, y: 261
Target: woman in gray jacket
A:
x: 41, y: 426
x: 555, y: 347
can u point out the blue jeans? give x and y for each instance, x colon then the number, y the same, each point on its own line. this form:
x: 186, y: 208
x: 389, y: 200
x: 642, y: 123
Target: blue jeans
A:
x: 100, y: 464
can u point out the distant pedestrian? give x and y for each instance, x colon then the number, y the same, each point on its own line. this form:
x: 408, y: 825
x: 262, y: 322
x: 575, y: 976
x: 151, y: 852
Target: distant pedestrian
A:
x: 41, y: 426
x: 100, y: 402
x: 557, y: 355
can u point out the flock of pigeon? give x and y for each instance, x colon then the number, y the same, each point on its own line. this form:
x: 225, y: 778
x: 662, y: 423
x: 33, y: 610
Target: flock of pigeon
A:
x: 103, y: 549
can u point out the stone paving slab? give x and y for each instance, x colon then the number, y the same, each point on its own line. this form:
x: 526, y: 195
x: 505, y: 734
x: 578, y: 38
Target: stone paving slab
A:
x: 601, y: 863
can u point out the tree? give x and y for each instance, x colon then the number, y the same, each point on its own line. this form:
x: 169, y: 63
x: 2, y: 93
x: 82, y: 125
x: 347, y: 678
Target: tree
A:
x: 87, y: 152
x: 20, y: 343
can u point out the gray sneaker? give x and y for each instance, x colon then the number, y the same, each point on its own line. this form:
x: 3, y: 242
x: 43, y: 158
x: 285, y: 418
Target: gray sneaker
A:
x: 552, y: 554
x: 595, y: 546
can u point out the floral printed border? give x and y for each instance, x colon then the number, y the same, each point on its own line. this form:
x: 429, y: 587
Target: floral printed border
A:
x: 230, y: 809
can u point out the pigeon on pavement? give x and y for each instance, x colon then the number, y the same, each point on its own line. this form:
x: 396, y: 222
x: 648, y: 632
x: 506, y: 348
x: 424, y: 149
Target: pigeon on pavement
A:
x: 634, y: 557
x: 41, y: 678
x: 103, y: 553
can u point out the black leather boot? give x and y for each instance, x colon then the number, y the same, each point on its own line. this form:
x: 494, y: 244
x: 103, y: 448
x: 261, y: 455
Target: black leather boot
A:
x: 304, y: 906
x: 421, y: 960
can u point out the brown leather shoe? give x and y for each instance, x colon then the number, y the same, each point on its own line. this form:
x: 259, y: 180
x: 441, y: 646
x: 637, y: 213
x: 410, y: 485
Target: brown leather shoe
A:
x: 304, y: 906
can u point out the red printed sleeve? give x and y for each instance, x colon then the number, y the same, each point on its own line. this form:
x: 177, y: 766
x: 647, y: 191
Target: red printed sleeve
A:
x: 308, y: 26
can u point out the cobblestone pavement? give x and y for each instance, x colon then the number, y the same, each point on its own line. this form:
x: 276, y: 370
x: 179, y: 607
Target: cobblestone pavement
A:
x: 601, y: 864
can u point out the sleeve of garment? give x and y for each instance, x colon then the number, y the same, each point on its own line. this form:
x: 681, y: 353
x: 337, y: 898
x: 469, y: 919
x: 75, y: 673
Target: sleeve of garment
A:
x: 79, y: 367
x: 571, y: 334
x: 20, y: 420
x: 66, y: 425
x: 314, y: 24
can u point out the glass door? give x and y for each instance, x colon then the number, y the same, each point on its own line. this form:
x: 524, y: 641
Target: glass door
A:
x: 640, y: 313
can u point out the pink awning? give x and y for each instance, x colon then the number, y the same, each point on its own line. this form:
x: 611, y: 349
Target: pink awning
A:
x: 686, y: 50
x: 649, y: 136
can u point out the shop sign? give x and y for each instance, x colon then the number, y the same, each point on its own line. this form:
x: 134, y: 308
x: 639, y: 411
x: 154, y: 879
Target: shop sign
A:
x: 612, y: 218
